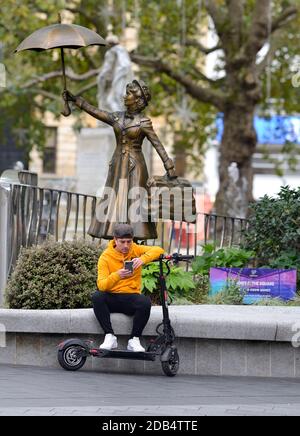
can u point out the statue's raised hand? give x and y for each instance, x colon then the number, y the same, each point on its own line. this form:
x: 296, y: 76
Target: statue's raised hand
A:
x: 68, y: 96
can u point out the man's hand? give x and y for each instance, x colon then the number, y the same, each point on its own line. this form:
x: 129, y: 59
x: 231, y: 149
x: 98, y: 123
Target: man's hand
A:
x: 124, y: 273
x: 68, y: 96
x: 137, y: 262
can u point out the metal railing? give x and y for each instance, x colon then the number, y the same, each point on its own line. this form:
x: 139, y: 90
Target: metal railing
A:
x: 35, y: 213
x: 30, y: 214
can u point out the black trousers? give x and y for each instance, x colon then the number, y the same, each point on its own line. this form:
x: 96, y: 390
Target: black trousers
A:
x: 136, y: 305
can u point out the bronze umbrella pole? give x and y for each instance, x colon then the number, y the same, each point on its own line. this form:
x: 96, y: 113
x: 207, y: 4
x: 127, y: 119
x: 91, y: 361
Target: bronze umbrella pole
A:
x: 67, y: 110
x: 61, y: 36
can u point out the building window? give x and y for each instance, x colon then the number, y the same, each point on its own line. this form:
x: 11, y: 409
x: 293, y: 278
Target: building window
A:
x: 49, y: 155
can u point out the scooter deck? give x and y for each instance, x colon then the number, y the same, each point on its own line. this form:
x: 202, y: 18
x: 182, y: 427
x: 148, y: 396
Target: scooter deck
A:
x: 123, y: 354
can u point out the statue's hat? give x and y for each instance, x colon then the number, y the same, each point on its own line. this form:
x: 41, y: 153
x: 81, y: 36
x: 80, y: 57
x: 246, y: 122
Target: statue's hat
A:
x: 145, y: 90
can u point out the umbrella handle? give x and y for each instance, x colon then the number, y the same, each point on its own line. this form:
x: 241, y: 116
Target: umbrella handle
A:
x: 67, y: 110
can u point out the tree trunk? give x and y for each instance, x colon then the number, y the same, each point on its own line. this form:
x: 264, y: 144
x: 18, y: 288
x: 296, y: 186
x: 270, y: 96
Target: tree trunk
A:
x: 180, y: 155
x: 235, y: 162
x: 180, y: 163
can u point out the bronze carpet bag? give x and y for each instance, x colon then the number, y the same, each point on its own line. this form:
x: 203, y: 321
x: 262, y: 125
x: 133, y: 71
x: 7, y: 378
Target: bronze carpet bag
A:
x: 171, y: 199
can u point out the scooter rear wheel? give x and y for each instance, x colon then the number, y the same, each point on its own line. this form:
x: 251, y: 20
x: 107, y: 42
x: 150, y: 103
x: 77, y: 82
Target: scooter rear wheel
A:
x: 69, y: 359
x: 171, y: 367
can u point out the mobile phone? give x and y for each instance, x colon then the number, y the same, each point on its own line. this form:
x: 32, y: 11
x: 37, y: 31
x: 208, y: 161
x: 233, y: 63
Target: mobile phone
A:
x: 128, y: 264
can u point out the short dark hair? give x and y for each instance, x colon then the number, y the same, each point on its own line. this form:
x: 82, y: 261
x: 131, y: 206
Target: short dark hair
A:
x: 123, y: 231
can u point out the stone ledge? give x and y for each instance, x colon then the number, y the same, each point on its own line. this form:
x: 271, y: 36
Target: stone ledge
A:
x: 274, y: 324
x: 211, y: 340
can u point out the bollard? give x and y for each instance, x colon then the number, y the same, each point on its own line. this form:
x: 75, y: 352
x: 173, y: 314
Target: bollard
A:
x: 7, y: 180
x: 4, y: 231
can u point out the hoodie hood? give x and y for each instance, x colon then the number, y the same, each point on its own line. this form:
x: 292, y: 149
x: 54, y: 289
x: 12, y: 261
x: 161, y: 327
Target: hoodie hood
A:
x: 111, y: 251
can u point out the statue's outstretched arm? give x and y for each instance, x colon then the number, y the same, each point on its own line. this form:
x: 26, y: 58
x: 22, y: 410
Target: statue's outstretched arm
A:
x: 81, y: 103
x: 153, y: 138
x: 101, y: 115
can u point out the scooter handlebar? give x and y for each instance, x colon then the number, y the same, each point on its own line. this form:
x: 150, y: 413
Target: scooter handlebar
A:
x: 177, y: 257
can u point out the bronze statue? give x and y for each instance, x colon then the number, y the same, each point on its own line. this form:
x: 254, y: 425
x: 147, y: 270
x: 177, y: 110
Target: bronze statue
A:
x: 127, y: 163
x: 113, y: 76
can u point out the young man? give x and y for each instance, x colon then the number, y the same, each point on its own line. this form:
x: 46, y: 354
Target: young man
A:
x: 119, y: 290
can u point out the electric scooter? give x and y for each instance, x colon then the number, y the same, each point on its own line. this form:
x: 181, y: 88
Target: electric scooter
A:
x: 72, y: 353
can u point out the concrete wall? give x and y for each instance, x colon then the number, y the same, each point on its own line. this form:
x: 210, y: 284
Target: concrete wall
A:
x: 212, y: 340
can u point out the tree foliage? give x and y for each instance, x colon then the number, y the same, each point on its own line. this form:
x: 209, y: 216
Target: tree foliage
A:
x: 171, y: 54
x: 274, y: 228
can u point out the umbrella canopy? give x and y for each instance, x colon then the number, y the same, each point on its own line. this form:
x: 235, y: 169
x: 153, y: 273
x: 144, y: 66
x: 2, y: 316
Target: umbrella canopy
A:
x: 60, y: 35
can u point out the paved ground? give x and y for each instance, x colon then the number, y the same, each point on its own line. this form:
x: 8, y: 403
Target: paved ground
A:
x: 28, y: 390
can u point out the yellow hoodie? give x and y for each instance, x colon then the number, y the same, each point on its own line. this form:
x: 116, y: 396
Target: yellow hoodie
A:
x: 112, y: 260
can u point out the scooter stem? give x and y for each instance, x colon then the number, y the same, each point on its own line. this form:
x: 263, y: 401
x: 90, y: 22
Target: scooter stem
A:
x: 164, y: 302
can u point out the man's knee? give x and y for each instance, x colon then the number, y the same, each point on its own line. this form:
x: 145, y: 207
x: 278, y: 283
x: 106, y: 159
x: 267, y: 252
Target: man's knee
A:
x: 144, y: 301
x: 98, y: 297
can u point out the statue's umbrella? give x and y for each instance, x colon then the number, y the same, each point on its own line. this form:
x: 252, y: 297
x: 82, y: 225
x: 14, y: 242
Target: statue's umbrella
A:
x: 61, y: 36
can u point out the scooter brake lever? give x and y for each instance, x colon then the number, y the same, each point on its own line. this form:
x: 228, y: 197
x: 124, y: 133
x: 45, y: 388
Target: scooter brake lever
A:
x: 168, y: 267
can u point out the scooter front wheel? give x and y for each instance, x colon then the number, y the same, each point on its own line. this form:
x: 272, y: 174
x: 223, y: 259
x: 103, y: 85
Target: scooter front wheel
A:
x: 71, y: 358
x: 171, y: 366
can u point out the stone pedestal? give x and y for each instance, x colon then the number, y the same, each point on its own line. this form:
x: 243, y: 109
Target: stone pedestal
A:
x: 94, y: 152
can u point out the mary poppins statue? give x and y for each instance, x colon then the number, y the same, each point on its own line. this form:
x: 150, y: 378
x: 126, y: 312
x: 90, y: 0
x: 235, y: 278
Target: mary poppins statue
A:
x: 127, y: 168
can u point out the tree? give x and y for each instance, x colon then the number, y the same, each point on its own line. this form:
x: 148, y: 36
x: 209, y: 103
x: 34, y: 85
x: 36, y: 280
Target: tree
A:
x: 171, y: 55
x: 34, y: 83
x: 243, y: 29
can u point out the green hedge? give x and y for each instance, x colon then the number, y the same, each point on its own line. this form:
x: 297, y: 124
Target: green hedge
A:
x: 54, y: 276
x: 273, y: 231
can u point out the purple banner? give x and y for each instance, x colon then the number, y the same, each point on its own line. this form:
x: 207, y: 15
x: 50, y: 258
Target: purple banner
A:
x: 258, y: 284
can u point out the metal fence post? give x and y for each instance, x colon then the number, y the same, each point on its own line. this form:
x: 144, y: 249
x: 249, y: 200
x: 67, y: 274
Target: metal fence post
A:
x: 4, y: 235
